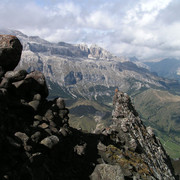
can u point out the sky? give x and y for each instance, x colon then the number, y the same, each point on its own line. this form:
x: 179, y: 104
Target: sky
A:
x: 147, y: 29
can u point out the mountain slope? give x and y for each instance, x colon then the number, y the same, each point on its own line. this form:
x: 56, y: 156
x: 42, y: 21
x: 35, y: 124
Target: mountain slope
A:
x: 160, y: 110
x: 78, y: 67
x: 91, y: 73
x: 153, y: 102
x: 87, y: 114
x: 168, y: 68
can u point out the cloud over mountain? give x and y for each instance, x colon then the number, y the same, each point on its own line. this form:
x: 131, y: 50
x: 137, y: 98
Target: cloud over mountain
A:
x: 144, y: 28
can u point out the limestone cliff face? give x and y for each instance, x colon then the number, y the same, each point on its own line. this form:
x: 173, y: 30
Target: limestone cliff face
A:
x: 37, y: 143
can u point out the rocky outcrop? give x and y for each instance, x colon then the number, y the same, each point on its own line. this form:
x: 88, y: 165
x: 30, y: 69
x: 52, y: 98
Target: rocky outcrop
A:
x: 10, y: 52
x: 37, y: 143
x: 30, y: 125
x: 136, y: 149
x: 97, y: 52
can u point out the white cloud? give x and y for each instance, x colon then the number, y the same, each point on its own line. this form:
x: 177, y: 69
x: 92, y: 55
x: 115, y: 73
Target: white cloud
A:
x: 100, y: 20
x: 145, y: 11
x: 66, y: 9
x: 153, y: 5
x: 66, y: 35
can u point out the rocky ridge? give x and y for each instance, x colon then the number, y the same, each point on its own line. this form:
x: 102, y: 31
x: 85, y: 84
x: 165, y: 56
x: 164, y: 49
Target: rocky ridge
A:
x: 37, y: 143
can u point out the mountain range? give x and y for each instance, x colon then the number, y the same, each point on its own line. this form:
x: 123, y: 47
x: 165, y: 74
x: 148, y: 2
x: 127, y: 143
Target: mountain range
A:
x: 87, y: 78
x: 168, y: 68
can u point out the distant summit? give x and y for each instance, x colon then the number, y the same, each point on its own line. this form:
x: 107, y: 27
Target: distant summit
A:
x: 133, y: 59
x: 99, y: 53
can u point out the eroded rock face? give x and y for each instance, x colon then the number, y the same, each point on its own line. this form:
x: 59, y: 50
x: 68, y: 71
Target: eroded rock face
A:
x: 37, y: 143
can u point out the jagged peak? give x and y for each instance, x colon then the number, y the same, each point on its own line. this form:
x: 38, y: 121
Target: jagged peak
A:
x: 97, y: 52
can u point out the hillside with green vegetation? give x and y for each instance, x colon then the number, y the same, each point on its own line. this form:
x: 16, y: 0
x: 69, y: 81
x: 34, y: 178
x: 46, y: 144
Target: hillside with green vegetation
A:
x: 86, y: 114
x: 167, y: 68
x: 161, y: 110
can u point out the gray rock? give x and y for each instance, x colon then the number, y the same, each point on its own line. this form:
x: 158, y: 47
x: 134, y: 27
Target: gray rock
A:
x: 38, y: 117
x: 10, y: 52
x: 99, y: 53
x: 14, y: 76
x: 6, y: 177
x: 40, y: 85
x: 63, y: 113
x: 132, y: 144
x: 37, y: 97
x: 101, y: 147
x: 60, y: 103
x: 150, y: 131
x: 18, y: 83
x: 63, y: 131
x: 43, y: 126
x: 36, y: 136
x: 50, y: 141
x: 36, y: 123
x: 3, y: 92
x: 22, y: 136
x: 80, y: 149
x: 27, y: 148
x: 107, y: 172
x: 53, y: 129
x: 34, y: 104
x: 49, y: 115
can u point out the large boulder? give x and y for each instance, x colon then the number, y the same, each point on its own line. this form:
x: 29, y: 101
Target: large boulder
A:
x: 34, y: 83
x: 107, y: 172
x: 10, y: 52
x: 39, y: 82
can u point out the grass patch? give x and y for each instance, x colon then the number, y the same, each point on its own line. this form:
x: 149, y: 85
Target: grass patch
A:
x: 172, y: 147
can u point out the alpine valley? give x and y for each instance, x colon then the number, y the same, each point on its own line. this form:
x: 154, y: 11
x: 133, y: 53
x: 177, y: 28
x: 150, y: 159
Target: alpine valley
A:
x: 87, y: 77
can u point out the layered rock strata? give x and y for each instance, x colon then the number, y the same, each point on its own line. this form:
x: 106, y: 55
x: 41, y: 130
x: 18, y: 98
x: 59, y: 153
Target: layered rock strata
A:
x: 37, y: 143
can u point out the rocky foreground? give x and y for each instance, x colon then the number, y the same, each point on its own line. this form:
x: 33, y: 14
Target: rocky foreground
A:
x: 37, y: 143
